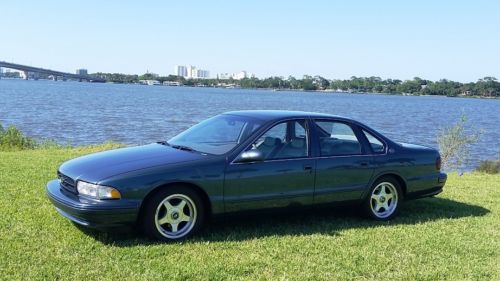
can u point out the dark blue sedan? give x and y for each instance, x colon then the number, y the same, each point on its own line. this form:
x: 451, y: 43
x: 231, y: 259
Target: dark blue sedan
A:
x: 245, y: 161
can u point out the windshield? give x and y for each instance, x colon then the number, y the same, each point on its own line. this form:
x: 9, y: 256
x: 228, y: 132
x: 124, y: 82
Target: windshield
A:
x: 217, y: 135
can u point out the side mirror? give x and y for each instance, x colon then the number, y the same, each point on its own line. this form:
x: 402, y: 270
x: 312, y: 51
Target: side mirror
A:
x: 253, y: 155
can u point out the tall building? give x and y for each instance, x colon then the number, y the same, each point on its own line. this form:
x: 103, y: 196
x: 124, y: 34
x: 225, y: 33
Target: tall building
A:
x: 82, y: 71
x: 191, y: 72
x: 202, y: 73
x: 180, y: 70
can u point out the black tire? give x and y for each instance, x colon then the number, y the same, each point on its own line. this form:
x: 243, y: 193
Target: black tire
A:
x: 375, y: 199
x: 165, y: 218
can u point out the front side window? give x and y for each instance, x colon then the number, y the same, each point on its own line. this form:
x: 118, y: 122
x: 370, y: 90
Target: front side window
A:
x: 337, y: 139
x: 218, y: 134
x: 284, y: 141
x: 376, y: 145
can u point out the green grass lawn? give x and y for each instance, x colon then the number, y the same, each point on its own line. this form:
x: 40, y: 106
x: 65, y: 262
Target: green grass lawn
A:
x: 454, y: 236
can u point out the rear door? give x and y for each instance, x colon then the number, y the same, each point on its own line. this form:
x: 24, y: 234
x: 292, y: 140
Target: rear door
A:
x: 344, y: 164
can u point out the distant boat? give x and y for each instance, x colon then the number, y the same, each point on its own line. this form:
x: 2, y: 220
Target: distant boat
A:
x: 172, y: 83
x: 233, y: 86
x: 149, y: 82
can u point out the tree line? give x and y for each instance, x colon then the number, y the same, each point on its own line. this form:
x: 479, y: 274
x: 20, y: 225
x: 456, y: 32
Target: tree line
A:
x: 485, y: 87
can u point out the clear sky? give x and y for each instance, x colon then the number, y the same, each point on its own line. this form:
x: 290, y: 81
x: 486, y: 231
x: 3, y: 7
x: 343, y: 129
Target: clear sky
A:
x: 458, y: 40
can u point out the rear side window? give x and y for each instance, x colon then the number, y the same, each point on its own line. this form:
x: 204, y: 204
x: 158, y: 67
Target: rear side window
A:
x: 337, y: 139
x: 376, y: 145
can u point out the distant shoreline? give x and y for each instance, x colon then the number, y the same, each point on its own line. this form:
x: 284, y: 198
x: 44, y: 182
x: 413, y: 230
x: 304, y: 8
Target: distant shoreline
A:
x: 326, y: 91
x: 323, y: 91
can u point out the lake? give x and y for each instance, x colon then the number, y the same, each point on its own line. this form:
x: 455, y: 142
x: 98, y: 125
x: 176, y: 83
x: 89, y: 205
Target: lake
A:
x: 90, y: 113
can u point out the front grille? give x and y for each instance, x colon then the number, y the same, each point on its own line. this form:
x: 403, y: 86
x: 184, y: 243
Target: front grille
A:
x: 66, y: 182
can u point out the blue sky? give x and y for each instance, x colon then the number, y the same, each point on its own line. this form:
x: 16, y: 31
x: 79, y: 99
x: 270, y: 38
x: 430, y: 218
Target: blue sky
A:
x: 458, y: 40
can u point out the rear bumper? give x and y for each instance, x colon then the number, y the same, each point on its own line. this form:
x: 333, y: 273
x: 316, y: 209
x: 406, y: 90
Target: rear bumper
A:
x: 442, y: 178
x: 428, y: 192
x: 425, y: 193
x: 92, y: 213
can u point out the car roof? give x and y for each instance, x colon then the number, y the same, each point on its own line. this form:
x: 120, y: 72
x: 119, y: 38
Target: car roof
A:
x: 276, y: 115
x: 280, y: 114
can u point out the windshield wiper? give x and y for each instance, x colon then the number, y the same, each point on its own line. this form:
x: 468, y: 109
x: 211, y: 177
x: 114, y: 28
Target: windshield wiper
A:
x: 178, y: 146
x: 182, y: 147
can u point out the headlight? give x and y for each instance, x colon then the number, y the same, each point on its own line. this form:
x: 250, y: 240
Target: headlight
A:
x: 97, y: 191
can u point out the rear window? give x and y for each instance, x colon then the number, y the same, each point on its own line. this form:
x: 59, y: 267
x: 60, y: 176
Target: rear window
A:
x: 337, y: 139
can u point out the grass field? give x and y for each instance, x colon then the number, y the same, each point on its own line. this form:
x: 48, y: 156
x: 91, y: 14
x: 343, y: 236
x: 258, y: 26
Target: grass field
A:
x: 454, y: 236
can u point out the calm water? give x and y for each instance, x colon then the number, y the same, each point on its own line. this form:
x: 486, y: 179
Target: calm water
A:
x: 88, y: 113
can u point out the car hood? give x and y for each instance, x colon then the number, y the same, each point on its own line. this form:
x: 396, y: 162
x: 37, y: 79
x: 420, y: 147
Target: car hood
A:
x: 99, y: 166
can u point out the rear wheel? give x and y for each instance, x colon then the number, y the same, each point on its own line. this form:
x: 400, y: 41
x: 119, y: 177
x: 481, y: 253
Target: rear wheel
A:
x: 173, y: 214
x: 383, y: 201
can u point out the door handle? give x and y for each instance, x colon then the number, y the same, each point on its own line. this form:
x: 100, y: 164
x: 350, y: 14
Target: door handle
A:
x: 308, y: 168
x: 364, y: 164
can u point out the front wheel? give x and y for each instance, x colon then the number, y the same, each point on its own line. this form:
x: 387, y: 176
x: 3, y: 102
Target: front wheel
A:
x: 383, y: 201
x: 173, y: 214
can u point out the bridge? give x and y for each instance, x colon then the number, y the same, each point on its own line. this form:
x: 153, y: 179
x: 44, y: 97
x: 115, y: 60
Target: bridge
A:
x: 54, y: 73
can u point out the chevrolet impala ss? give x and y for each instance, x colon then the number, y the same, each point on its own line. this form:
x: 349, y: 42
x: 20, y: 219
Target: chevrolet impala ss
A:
x: 245, y: 161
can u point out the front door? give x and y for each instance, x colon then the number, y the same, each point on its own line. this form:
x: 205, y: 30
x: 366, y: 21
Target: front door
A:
x: 284, y: 178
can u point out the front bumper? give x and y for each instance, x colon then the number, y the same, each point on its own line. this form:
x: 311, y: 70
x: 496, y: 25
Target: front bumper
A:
x: 92, y: 213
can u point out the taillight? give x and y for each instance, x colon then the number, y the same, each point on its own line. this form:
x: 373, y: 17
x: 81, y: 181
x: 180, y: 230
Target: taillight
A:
x: 438, y: 163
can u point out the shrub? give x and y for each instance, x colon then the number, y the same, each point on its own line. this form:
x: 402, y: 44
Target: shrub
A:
x: 13, y: 139
x: 489, y: 166
x: 50, y: 144
x: 454, y: 145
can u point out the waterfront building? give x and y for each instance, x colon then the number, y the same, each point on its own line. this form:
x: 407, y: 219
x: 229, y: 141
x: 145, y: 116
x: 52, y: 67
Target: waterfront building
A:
x: 240, y: 75
x: 149, y: 82
x: 236, y: 76
x: 191, y: 72
x: 172, y: 83
x: 180, y: 70
x: 202, y: 73
x: 82, y: 71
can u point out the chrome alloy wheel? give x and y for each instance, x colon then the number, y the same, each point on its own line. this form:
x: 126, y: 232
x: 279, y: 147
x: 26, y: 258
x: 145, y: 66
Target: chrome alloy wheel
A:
x: 384, y: 200
x: 175, y: 216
